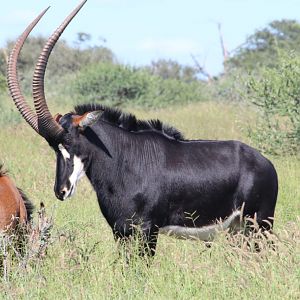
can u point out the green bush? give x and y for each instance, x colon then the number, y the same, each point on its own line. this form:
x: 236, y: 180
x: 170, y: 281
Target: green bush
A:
x: 64, y: 60
x: 118, y: 84
x: 110, y: 83
x: 229, y: 87
x: 9, y: 114
x: 2, y: 84
x: 277, y: 94
x: 164, y: 92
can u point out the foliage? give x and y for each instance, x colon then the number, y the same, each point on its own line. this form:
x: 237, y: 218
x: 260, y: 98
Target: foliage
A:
x: 277, y: 94
x: 118, y: 84
x: 229, y: 87
x: 170, y: 69
x: 9, y: 115
x: 2, y: 83
x: 261, y: 48
x: 273, y: 85
x: 64, y: 59
x: 170, y: 92
x: 108, y: 82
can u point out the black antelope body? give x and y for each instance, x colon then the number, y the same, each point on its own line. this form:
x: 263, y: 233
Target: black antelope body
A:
x: 145, y: 172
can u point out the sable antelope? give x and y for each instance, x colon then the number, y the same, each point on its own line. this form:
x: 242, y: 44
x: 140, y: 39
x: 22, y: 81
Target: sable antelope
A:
x: 15, y: 207
x: 145, y: 172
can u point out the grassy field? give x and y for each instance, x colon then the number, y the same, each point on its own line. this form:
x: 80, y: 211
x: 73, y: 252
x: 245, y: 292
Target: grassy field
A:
x: 82, y: 263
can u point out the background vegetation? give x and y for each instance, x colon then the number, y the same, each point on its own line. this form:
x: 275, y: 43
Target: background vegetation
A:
x: 263, y: 72
x: 255, y: 100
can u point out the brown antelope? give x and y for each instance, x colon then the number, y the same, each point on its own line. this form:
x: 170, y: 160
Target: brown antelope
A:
x: 15, y: 207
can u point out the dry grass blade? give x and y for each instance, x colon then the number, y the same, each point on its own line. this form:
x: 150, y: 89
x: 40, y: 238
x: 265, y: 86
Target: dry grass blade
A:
x: 25, y: 244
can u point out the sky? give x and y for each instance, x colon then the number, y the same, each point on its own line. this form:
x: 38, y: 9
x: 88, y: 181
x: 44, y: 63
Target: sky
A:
x: 140, y: 31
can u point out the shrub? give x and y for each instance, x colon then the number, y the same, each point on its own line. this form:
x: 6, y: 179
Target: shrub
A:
x: 2, y: 84
x: 276, y: 93
x: 118, y: 84
x: 229, y: 87
x: 171, y: 92
x: 110, y: 83
x: 9, y: 114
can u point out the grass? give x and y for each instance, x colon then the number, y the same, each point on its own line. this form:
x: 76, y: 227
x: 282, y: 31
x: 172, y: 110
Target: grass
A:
x: 81, y: 260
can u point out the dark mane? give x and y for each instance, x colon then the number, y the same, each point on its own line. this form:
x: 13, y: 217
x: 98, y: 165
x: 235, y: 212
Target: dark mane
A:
x: 128, y: 121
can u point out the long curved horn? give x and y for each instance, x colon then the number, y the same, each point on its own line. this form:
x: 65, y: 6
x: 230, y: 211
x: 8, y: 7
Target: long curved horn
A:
x: 48, y: 127
x: 12, y: 76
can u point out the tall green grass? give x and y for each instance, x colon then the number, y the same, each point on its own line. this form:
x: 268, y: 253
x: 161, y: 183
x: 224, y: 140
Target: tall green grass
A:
x: 82, y: 260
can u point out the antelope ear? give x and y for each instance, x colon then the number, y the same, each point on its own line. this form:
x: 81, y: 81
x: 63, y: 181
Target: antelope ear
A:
x: 57, y: 117
x: 89, y: 118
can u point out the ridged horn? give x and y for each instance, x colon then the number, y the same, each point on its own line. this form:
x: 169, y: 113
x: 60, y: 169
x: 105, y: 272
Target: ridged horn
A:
x: 48, y: 127
x: 12, y: 77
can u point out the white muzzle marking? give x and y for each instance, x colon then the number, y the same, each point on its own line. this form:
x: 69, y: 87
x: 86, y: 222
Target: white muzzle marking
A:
x: 78, y: 172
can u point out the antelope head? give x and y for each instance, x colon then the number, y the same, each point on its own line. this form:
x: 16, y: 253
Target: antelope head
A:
x: 60, y: 134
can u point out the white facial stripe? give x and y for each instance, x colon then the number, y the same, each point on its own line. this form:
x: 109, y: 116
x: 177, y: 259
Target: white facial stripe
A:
x: 64, y: 152
x: 78, y: 172
x: 205, y: 233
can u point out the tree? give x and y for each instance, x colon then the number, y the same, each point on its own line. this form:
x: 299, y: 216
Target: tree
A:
x: 83, y: 37
x: 170, y: 69
x: 276, y: 93
x: 263, y: 47
x: 64, y: 58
